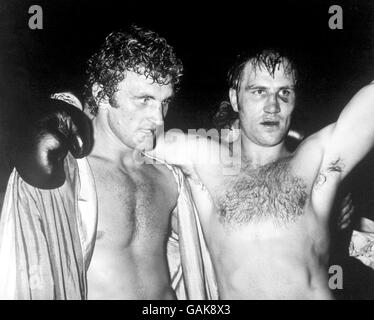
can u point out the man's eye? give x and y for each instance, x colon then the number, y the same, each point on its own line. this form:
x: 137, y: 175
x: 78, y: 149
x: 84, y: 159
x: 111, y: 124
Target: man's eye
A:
x: 145, y: 100
x: 285, y: 92
x: 258, y: 92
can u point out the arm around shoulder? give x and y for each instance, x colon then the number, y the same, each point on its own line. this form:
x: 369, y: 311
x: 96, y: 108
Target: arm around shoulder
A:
x: 178, y: 148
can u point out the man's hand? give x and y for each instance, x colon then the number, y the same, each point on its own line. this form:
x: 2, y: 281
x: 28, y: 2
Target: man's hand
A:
x: 54, y: 128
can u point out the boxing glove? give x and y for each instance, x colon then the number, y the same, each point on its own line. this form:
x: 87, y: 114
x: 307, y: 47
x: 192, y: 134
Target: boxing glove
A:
x: 52, y: 129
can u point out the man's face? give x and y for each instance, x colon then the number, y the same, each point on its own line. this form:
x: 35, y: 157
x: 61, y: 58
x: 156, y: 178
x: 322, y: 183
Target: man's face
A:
x: 265, y: 104
x: 138, y: 110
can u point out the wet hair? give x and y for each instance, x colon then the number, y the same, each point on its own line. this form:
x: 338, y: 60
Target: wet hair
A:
x: 270, y: 59
x: 141, y: 51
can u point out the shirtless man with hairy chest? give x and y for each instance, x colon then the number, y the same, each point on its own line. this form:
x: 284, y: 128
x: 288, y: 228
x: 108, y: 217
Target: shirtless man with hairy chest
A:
x: 135, y: 202
x: 267, y: 222
x: 135, y: 198
x: 129, y: 261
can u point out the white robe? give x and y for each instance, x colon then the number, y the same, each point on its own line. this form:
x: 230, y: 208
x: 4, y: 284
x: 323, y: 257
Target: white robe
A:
x: 47, y: 237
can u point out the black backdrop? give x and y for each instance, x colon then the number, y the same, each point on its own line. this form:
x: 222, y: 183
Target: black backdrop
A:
x: 333, y: 63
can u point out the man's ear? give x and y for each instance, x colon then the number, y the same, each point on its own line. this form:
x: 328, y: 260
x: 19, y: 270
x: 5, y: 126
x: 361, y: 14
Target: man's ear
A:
x: 233, y: 99
x: 101, y: 99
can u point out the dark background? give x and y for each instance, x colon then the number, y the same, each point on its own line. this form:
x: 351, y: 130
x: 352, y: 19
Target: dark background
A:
x: 333, y: 64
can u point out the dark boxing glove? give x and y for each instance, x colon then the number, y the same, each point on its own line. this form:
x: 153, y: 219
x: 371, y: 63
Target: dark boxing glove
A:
x: 52, y: 129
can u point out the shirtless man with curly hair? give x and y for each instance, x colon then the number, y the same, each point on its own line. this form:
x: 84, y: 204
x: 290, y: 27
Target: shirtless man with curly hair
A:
x: 131, y: 80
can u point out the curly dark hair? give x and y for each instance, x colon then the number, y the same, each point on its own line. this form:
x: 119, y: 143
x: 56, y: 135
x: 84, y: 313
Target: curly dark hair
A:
x: 268, y: 58
x: 138, y: 50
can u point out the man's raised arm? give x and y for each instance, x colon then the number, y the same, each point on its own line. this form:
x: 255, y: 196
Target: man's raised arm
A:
x: 352, y: 136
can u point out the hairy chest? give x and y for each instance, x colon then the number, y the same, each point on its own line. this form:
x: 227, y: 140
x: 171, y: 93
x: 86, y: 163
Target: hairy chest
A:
x: 133, y: 206
x: 267, y: 193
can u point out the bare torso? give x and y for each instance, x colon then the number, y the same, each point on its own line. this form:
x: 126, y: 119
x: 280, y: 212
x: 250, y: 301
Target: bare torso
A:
x: 263, y: 261
x: 134, y: 205
x: 267, y: 227
x: 265, y: 237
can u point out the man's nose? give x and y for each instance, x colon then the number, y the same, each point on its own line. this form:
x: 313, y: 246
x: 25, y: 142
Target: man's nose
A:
x: 272, y: 104
x: 157, y: 114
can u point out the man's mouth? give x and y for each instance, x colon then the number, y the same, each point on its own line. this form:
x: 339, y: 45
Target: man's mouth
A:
x: 269, y: 123
x: 149, y: 131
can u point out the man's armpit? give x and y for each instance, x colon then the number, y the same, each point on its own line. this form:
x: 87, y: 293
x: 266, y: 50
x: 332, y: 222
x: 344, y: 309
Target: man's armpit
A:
x: 333, y: 170
x: 336, y: 166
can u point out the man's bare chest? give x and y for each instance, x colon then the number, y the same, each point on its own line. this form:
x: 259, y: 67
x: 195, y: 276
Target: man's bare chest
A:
x: 133, y: 205
x: 263, y: 194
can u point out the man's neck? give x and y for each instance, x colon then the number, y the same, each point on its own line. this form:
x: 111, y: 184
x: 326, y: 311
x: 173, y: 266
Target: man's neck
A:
x: 108, y: 146
x: 261, y: 155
